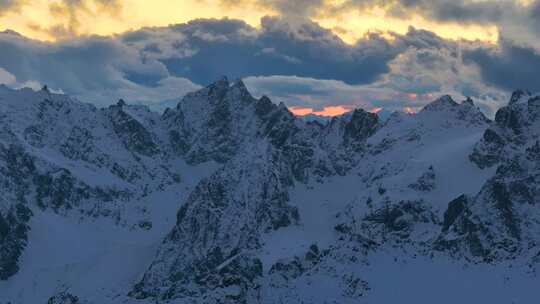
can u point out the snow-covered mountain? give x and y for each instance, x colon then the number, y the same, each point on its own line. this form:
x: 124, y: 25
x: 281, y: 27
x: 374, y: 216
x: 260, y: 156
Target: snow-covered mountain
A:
x: 230, y: 199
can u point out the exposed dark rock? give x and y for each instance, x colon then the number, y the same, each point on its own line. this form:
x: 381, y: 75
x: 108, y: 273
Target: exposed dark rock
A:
x: 13, y: 237
x: 517, y: 95
x: 64, y: 298
x: 132, y: 133
x: 426, y: 182
x: 459, y: 220
x: 397, y: 221
x: 361, y: 126
x: 455, y: 209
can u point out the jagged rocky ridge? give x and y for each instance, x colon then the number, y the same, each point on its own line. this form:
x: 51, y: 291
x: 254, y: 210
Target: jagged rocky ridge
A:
x: 502, y: 220
x: 221, y: 223
x: 59, y: 154
x: 293, y: 211
x: 227, y: 265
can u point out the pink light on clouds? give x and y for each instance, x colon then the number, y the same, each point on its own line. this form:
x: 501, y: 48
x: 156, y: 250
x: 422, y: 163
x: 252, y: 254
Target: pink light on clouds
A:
x: 409, y: 110
x: 412, y: 96
x: 375, y: 110
x: 326, y: 111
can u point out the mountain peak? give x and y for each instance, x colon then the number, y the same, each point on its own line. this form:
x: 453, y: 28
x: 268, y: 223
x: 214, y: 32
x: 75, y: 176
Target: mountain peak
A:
x: 282, y: 106
x: 268, y: 208
x: 222, y: 80
x: 264, y: 106
x: 239, y: 83
x: 443, y: 102
x: 362, y: 124
x: 517, y: 95
x: 468, y: 102
x: 219, y: 86
x: 466, y: 111
x: 239, y: 91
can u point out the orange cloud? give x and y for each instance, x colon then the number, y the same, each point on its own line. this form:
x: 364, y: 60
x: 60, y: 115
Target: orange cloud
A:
x: 332, y: 111
x: 409, y: 110
x: 412, y: 96
x: 299, y: 111
x: 326, y: 111
x: 375, y: 110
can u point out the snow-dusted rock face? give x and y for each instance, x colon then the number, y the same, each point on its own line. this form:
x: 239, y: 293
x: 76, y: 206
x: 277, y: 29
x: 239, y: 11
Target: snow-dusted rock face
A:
x: 133, y: 134
x: 211, y: 254
x: 213, y: 123
x: 64, y: 298
x: 502, y: 221
x: 516, y: 127
x: 231, y: 199
x: 13, y: 238
x: 61, y: 155
x: 217, y: 121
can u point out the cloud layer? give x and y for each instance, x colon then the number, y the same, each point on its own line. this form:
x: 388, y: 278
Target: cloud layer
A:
x: 95, y: 69
x: 204, y: 49
x: 290, y: 59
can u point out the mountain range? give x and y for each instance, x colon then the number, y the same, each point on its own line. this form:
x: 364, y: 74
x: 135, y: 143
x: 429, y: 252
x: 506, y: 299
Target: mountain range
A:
x: 227, y: 198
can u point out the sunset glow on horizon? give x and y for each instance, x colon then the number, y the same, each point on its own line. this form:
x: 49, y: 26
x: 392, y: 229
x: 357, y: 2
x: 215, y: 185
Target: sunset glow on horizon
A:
x: 326, y: 111
x: 319, y: 57
x: 332, y: 111
x: 409, y: 110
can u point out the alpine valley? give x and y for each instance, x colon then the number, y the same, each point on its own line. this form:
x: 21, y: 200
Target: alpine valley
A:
x: 231, y: 199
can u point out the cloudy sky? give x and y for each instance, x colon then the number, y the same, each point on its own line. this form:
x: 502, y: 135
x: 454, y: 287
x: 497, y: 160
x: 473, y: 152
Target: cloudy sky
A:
x: 323, y: 56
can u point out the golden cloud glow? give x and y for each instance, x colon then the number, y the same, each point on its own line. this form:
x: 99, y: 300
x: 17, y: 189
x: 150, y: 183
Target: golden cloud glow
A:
x: 36, y: 19
x: 354, y: 25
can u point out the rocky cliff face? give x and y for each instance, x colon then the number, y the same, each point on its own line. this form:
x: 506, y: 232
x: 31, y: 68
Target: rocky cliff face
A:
x: 13, y: 238
x: 61, y: 155
x: 231, y: 199
x: 218, y: 230
x: 501, y: 221
x: 514, y: 130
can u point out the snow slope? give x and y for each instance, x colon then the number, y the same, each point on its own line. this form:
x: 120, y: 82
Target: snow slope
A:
x: 231, y: 199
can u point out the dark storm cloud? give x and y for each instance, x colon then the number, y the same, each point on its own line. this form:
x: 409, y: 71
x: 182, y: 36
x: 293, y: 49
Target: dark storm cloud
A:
x: 68, y: 14
x: 467, y: 11
x: 450, y: 10
x: 96, y: 69
x: 200, y: 51
x: 85, y: 64
x: 284, y: 7
x: 10, y: 5
x: 428, y: 66
x: 514, y: 19
x: 509, y: 66
x: 441, y: 10
x: 278, y: 48
x: 7, y: 4
x: 295, y: 61
x: 298, y: 7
